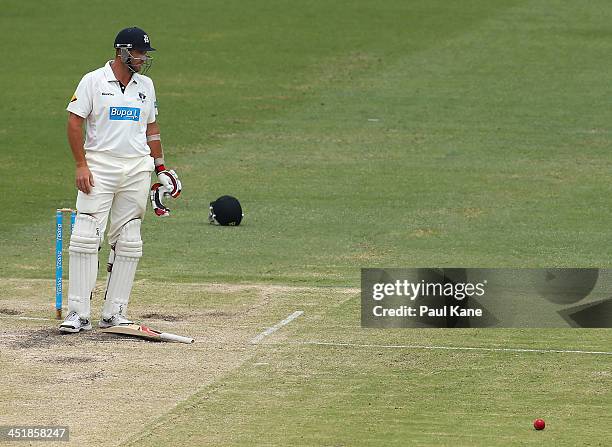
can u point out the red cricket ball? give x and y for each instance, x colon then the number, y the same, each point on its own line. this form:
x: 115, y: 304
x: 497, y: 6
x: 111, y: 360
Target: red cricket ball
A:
x: 539, y: 424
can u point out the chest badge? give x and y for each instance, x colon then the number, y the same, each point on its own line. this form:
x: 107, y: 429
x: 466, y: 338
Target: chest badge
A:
x: 142, y: 97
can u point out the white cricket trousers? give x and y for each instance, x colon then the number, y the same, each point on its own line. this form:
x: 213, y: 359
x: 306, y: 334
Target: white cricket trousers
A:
x: 121, y: 191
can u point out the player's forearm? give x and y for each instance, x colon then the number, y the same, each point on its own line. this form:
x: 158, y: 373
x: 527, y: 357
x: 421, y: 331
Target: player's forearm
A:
x: 156, y: 149
x: 154, y: 142
x: 75, y: 139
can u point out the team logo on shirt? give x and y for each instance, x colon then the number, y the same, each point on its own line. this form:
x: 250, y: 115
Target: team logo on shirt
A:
x: 74, y: 98
x: 142, y: 97
x: 124, y: 114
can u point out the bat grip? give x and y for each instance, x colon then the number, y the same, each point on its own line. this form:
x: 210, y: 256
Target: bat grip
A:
x: 176, y: 338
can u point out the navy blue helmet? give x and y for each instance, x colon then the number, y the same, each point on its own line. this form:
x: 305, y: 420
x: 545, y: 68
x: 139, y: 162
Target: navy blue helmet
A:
x: 133, y: 38
x: 226, y: 210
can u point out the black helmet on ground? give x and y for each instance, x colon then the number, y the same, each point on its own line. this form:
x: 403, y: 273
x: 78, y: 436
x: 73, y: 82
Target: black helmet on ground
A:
x: 226, y: 210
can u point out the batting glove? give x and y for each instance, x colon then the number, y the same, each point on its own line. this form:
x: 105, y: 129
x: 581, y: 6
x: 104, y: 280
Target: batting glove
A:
x: 158, y: 191
x: 169, y: 180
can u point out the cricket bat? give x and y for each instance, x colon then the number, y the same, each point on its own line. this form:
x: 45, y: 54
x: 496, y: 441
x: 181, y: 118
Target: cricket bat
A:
x: 140, y: 330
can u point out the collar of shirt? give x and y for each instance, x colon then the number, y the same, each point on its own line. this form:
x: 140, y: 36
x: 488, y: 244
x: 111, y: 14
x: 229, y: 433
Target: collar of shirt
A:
x: 110, y: 75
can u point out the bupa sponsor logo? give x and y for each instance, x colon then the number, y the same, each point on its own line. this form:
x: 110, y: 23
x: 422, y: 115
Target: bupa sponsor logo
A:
x: 124, y: 113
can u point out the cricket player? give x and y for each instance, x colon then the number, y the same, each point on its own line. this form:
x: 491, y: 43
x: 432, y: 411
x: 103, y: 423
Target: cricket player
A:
x: 122, y: 148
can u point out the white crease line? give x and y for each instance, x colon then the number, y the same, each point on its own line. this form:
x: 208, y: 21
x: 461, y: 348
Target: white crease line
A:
x: 455, y: 348
x: 276, y: 327
x: 15, y: 317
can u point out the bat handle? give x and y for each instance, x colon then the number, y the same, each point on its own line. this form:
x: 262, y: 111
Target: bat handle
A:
x: 177, y: 338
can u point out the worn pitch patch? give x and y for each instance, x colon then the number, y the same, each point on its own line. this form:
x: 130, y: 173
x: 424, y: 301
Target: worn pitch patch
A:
x: 52, y: 378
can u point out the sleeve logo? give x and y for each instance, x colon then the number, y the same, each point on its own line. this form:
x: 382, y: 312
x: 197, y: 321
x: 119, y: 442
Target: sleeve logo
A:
x: 74, y: 98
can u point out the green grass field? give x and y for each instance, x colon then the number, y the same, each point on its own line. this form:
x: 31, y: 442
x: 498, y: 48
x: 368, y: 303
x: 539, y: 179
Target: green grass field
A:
x: 402, y: 134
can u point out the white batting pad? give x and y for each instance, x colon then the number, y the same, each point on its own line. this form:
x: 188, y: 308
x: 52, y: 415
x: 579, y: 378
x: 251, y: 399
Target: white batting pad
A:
x: 127, y: 253
x: 83, y: 263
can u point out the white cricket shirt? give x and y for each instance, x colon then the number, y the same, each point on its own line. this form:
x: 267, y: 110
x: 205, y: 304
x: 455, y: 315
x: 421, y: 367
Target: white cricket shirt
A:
x: 116, y: 122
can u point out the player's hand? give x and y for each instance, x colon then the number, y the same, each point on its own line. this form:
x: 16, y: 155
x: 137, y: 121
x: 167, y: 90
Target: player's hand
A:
x: 158, y: 192
x: 84, y: 179
x: 169, y: 180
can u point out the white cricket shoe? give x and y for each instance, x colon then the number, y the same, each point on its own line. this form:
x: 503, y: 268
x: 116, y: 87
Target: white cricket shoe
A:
x: 115, y: 320
x: 74, y: 323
